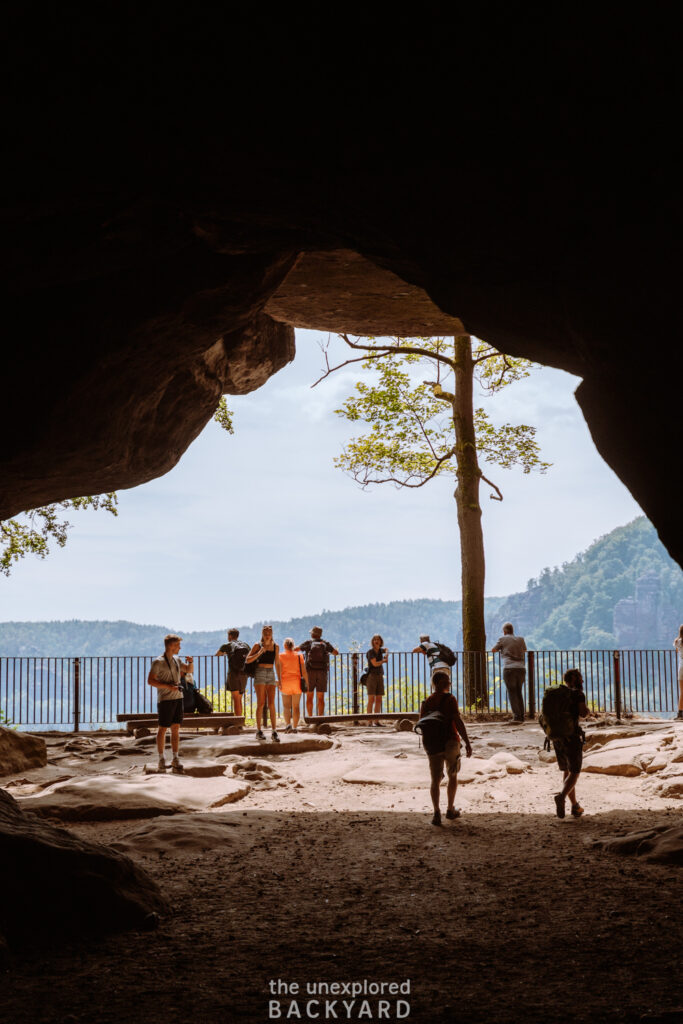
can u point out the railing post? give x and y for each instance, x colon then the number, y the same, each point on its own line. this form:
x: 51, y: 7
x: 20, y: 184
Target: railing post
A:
x: 77, y: 693
x: 531, y: 682
x: 617, y: 683
x: 354, y: 664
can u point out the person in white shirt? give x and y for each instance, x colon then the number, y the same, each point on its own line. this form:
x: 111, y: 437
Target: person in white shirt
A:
x: 512, y: 650
x: 433, y: 654
x: 165, y: 676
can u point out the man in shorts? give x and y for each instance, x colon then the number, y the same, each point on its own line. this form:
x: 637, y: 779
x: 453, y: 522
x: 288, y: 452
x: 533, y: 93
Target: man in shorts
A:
x: 433, y: 654
x: 236, y: 651
x: 165, y: 676
x: 443, y: 701
x: 317, y: 654
x: 569, y: 752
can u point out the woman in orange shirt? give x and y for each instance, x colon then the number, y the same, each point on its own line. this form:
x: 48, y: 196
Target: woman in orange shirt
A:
x: 293, y: 670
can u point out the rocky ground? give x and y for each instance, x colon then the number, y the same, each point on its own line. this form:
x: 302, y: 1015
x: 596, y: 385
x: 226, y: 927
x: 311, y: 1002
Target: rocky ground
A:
x: 315, y: 862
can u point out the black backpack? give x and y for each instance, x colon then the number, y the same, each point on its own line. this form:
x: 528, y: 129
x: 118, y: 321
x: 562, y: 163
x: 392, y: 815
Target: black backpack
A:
x: 188, y: 697
x: 317, y: 657
x: 238, y: 655
x: 447, y: 654
x: 435, y: 730
x: 558, y: 715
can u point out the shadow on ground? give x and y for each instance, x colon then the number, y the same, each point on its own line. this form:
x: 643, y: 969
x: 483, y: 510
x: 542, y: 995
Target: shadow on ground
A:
x: 496, y: 918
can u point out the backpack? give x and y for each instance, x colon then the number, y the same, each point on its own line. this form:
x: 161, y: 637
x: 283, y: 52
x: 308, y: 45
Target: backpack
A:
x: 447, y: 654
x: 558, y: 713
x: 238, y: 655
x: 188, y: 697
x: 316, y: 656
x: 201, y: 705
x: 435, y: 730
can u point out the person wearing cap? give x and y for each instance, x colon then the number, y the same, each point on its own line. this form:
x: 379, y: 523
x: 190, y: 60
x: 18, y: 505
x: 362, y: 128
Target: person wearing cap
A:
x: 317, y: 655
x: 165, y: 676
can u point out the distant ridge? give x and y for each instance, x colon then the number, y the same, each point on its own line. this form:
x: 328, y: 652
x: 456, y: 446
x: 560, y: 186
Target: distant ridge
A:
x: 399, y: 623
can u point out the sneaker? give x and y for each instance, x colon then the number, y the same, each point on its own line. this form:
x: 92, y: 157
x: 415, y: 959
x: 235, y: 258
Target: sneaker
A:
x: 292, y: 730
x: 259, y: 735
x: 679, y: 717
x: 176, y: 766
x: 455, y: 812
x: 161, y: 767
x: 436, y: 820
x: 577, y: 810
x: 288, y: 728
x: 559, y: 805
x: 274, y: 737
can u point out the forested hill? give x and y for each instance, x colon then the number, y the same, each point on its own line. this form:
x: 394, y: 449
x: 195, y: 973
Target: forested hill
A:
x: 399, y: 622
x: 624, y: 591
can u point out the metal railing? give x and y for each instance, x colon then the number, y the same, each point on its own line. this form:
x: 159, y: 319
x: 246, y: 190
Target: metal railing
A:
x: 71, y: 693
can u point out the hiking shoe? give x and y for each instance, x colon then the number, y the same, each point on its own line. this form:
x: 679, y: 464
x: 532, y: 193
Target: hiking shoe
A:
x: 292, y: 730
x: 274, y: 737
x: 577, y: 810
x: 177, y: 767
x: 288, y: 728
x: 679, y: 717
x: 161, y: 767
x: 452, y: 813
x: 559, y: 805
x: 436, y: 820
x: 259, y: 735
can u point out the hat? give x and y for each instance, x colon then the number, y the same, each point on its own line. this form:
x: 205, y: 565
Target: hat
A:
x: 317, y: 632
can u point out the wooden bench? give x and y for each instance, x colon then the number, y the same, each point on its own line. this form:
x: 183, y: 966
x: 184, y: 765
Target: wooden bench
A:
x: 216, y: 721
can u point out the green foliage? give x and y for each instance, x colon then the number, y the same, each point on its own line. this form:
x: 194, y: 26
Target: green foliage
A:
x: 223, y: 416
x: 412, y: 434
x: 573, y: 606
x: 34, y: 530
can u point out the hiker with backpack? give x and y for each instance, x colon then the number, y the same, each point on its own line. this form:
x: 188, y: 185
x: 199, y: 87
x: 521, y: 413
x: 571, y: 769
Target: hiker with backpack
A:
x: 441, y: 729
x: 317, y: 654
x: 512, y: 650
x: 236, y: 651
x: 440, y: 657
x: 561, y: 709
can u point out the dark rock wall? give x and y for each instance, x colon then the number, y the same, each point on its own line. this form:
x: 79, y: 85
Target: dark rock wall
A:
x: 167, y: 171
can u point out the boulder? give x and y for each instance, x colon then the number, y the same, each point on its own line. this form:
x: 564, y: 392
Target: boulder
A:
x: 63, y: 885
x: 112, y: 797
x: 613, y: 762
x: 19, y: 752
x: 185, y: 833
x: 404, y: 725
x: 662, y: 844
x: 599, y: 739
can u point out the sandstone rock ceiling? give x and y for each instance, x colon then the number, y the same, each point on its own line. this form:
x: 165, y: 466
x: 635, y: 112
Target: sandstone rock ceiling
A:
x: 181, y: 196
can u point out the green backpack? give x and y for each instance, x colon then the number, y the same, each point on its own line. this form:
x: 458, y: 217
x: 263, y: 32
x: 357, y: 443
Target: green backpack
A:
x: 558, y: 713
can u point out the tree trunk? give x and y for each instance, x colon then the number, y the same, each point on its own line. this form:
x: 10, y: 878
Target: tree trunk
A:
x: 469, y: 524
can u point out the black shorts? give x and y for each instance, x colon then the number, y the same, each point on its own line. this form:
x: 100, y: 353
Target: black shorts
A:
x: 236, y: 681
x: 569, y: 754
x: 170, y: 712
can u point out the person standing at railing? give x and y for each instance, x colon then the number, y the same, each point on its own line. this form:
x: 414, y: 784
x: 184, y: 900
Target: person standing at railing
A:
x: 434, y: 654
x: 317, y: 653
x: 377, y: 657
x: 236, y: 651
x: 165, y: 676
x: 293, y: 676
x: 267, y: 656
x: 678, y: 644
x: 512, y: 650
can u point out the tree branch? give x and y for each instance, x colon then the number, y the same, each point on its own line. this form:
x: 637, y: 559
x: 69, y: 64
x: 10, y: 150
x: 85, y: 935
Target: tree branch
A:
x: 366, y: 481
x: 410, y: 350
x: 494, y: 497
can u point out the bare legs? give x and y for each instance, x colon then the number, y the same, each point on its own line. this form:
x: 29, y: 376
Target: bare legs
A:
x: 236, y: 702
x: 175, y: 739
x: 374, y: 707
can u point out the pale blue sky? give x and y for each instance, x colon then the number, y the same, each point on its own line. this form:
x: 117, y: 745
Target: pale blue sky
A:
x: 261, y: 524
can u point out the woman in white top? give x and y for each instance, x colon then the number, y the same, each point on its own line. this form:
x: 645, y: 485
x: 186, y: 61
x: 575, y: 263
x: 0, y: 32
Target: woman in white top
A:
x: 678, y: 644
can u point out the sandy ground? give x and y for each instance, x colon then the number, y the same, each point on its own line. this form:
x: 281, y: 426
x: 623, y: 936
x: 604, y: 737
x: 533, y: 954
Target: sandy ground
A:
x: 504, y: 915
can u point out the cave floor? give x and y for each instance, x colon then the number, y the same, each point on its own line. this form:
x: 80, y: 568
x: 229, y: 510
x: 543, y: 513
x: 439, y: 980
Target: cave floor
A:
x: 505, y: 915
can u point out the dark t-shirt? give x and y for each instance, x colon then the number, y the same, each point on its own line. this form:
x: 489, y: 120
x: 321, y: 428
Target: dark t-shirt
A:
x: 578, y: 698
x: 377, y: 655
x: 329, y: 649
x: 229, y: 650
x: 446, y: 703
